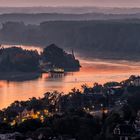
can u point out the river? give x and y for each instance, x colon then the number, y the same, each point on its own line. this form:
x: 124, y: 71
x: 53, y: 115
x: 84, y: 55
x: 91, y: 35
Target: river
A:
x: 91, y: 71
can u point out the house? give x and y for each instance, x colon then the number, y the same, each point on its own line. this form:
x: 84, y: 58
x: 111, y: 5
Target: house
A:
x: 26, y: 114
x: 125, y: 132
x: 10, y: 136
x: 80, y: 101
x: 134, y: 81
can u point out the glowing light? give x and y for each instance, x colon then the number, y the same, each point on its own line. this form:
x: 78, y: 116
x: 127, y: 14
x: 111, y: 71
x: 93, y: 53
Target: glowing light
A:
x: 84, y: 108
x: 105, y: 111
x: 42, y: 118
x: 87, y: 109
x: 23, y: 119
x: 38, y: 113
x: 5, y: 119
x: 35, y: 116
x: 13, y: 123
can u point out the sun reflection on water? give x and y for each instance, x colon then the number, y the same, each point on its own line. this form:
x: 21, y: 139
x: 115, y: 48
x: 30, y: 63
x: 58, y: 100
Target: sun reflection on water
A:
x: 91, y: 71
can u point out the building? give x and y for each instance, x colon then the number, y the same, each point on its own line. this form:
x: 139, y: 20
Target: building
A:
x: 134, y: 81
x: 125, y: 132
x: 25, y: 115
x: 10, y: 136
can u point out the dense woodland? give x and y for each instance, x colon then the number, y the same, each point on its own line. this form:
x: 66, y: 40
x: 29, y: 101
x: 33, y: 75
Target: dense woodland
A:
x: 17, y: 59
x: 98, y: 39
x: 73, y: 119
x: 60, y: 59
x: 21, y: 60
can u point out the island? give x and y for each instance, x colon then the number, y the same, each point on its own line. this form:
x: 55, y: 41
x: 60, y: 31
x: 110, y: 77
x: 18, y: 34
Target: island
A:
x: 54, y: 58
x: 18, y: 64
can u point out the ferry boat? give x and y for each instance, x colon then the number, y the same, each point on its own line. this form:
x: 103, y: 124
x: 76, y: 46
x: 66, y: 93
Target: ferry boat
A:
x: 57, y: 70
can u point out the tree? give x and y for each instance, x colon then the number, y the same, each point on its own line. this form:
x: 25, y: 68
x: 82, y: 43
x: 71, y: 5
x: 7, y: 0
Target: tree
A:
x: 29, y: 125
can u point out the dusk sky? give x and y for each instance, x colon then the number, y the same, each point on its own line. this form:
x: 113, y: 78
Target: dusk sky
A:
x: 105, y: 3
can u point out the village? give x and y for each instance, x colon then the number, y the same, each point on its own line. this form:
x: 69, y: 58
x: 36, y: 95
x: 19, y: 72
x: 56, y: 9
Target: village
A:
x: 112, y: 100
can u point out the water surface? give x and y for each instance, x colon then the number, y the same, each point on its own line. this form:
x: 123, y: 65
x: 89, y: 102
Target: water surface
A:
x: 92, y: 71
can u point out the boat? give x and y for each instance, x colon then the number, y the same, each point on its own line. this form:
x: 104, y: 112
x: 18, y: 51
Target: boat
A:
x: 57, y: 70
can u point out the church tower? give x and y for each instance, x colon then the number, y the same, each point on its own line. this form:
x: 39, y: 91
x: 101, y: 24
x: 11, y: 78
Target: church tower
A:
x: 73, y: 54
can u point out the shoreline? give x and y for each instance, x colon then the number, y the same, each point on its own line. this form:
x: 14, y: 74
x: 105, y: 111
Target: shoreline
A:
x: 19, y: 76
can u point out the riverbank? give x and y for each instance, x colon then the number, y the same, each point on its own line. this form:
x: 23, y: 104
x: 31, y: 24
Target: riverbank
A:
x: 19, y: 76
x: 95, y: 109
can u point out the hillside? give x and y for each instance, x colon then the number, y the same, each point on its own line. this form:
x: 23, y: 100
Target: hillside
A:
x: 70, y: 10
x: 101, y: 39
x: 37, y: 18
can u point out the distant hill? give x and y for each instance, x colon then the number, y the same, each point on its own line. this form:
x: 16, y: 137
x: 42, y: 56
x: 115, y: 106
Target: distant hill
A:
x: 69, y: 10
x: 37, y: 18
x: 118, y: 39
x: 36, y: 15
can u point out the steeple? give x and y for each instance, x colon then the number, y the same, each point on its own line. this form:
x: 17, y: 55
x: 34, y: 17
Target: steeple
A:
x: 73, y: 53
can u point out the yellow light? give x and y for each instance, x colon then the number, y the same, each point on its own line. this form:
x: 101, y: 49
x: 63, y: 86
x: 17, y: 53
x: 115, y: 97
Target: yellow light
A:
x: 106, y: 111
x: 4, y: 119
x: 13, y: 123
x: 23, y: 120
x: 28, y: 115
x: 38, y: 112
x: 35, y: 116
x: 46, y: 111
x: 42, y: 118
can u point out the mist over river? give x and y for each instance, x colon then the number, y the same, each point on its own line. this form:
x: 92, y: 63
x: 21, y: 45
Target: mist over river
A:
x: 91, y: 71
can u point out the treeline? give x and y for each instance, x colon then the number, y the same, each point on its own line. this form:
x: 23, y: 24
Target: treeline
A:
x: 37, y: 18
x: 75, y: 120
x: 98, y: 39
x: 59, y: 58
x: 17, y: 59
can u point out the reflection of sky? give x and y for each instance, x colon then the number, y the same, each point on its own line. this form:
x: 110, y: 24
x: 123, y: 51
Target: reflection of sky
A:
x: 91, y: 71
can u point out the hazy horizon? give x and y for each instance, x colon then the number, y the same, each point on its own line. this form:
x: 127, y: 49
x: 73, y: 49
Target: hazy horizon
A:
x: 72, y: 3
x: 94, y: 6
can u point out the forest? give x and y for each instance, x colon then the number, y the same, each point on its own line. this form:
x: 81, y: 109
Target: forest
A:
x: 109, y: 39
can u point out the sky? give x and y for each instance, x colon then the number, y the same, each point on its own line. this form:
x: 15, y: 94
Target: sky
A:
x: 45, y: 3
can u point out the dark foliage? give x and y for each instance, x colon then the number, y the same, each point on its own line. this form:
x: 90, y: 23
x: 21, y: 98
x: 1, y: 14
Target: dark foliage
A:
x: 59, y: 58
x: 17, y: 59
x: 100, y: 39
